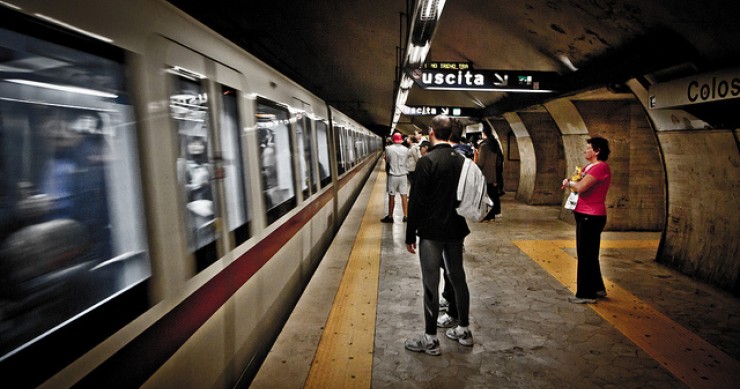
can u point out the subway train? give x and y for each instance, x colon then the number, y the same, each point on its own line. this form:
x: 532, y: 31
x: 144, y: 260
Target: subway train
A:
x: 164, y: 197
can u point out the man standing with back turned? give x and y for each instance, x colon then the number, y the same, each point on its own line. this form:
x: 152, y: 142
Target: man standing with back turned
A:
x: 441, y: 232
x: 395, y: 159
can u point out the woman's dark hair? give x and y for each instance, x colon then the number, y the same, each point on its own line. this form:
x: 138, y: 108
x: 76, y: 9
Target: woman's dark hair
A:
x: 601, y: 145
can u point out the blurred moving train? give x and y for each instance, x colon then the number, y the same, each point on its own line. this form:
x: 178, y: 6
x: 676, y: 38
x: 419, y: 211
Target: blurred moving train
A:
x: 164, y: 197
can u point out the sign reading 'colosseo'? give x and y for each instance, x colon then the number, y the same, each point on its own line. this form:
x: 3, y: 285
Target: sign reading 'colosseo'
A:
x: 701, y: 88
x: 484, y: 80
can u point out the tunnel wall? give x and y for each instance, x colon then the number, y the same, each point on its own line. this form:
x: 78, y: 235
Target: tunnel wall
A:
x: 636, y: 198
x: 702, y: 168
x: 701, y: 235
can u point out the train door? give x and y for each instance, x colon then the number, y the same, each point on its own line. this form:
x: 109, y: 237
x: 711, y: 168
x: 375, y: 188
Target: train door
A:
x: 210, y: 162
x: 230, y: 163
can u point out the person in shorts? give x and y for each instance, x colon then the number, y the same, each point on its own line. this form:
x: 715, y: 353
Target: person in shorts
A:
x: 395, y: 160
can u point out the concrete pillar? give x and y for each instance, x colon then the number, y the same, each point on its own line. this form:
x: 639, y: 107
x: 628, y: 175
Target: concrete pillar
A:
x: 527, y: 158
x: 574, y: 134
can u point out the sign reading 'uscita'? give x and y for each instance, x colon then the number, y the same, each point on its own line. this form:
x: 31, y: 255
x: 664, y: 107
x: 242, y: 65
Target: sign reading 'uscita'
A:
x: 484, y: 80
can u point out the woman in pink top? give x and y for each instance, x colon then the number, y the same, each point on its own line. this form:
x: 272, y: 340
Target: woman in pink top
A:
x: 590, y: 214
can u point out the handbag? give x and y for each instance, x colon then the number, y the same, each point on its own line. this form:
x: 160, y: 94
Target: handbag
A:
x: 572, y: 200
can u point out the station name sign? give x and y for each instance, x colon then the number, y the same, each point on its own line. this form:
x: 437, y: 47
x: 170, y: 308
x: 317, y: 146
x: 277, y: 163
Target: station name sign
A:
x: 484, y: 80
x: 701, y: 88
x: 428, y: 110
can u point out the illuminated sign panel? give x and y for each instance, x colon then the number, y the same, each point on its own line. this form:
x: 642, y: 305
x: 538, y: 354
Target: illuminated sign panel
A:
x: 424, y: 110
x: 484, y: 80
x: 448, y: 65
x: 701, y: 88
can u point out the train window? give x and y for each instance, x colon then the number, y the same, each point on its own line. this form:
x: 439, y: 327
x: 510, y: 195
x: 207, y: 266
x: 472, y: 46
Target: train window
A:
x: 341, y: 168
x: 347, y: 143
x: 189, y: 110
x: 310, y: 152
x: 237, y: 208
x: 72, y: 231
x: 360, y: 145
x: 322, y: 140
x: 351, y: 135
x: 273, y: 125
x: 307, y: 170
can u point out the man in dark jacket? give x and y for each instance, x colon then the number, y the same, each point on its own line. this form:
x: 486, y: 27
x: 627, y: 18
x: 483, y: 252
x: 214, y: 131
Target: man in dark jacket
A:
x: 441, y: 232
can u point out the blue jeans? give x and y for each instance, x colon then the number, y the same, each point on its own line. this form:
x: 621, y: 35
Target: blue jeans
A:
x: 432, y: 255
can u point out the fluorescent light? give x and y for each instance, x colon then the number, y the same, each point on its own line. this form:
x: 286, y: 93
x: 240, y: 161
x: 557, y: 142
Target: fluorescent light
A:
x: 15, y: 7
x: 64, y: 88
x: 566, y: 61
x: 417, y: 54
x: 71, y: 27
x: 406, y: 81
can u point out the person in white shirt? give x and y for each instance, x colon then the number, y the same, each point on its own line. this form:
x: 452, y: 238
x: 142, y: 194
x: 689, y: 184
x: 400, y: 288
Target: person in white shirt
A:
x: 395, y: 159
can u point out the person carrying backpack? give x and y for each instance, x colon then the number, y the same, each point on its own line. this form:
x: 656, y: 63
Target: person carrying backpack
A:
x: 441, y: 231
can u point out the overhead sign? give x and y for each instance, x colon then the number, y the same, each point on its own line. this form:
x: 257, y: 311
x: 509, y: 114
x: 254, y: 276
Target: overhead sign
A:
x: 484, y: 80
x: 448, y: 65
x: 701, y: 88
x: 428, y: 110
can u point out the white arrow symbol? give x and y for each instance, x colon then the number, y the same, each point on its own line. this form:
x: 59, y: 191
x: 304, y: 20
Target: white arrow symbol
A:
x: 445, y: 111
x: 502, y: 81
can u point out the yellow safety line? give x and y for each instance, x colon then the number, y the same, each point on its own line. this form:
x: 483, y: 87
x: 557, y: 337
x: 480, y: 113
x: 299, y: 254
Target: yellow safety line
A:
x: 344, y: 358
x: 687, y: 356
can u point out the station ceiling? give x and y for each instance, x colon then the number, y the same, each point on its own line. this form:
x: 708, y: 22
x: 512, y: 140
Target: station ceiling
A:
x: 348, y: 52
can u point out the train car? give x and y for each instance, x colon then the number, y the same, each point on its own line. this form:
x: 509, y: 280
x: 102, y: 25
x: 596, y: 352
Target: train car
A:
x: 164, y: 197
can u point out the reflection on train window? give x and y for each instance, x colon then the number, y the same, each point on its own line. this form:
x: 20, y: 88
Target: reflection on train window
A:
x: 360, y: 146
x: 350, y: 145
x: 237, y: 208
x: 307, y: 170
x: 322, y: 140
x: 276, y: 162
x: 341, y: 168
x: 304, y: 162
x: 72, y: 233
x: 189, y: 108
x: 309, y: 152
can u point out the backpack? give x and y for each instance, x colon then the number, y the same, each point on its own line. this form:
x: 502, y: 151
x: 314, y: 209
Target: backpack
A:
x: 472, y: 193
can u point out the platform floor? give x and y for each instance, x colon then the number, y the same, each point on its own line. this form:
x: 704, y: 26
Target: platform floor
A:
x: 657, y: 328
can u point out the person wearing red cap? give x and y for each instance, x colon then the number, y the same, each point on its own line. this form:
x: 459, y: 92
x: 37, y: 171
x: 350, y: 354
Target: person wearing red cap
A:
x: 395, y: 159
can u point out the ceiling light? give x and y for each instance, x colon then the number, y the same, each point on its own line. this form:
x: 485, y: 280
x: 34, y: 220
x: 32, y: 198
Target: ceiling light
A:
x: 566, y: 61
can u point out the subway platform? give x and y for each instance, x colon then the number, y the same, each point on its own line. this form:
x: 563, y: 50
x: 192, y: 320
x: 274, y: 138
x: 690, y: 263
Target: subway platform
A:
x: 656, y: 329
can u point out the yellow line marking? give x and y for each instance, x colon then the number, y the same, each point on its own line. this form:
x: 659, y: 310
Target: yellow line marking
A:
x: 344, y: 357
x: 687, y: 356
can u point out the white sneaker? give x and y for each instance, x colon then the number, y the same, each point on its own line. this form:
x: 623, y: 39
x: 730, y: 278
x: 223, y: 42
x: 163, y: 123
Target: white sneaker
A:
x: 422, y: 344
x: 444, y: 305
x: 446, y: 321
x: 465, y: 339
